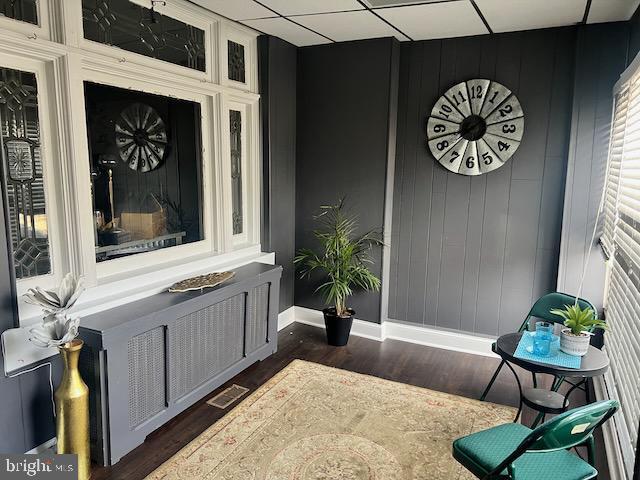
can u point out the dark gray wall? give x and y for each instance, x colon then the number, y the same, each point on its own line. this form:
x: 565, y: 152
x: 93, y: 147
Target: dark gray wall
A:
x: 26, y: 418
x: 277, y: 66
x: 344, y: 102
x: 601, y: 56
x: 471, y: 253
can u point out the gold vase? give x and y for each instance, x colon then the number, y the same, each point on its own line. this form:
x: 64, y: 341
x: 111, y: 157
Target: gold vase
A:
x: 72, y: 409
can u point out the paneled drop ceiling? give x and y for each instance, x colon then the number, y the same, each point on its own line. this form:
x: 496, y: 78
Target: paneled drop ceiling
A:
x: 312, y: 22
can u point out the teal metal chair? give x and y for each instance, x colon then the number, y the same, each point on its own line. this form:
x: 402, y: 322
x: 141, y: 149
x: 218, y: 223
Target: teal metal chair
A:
x: 515, y: 452
x: 542, y: 310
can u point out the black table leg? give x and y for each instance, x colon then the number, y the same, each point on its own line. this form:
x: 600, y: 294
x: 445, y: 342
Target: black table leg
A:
x: 519, y: 391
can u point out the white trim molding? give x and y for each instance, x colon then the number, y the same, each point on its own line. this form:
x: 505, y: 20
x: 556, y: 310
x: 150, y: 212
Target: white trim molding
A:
x: 420, y: 335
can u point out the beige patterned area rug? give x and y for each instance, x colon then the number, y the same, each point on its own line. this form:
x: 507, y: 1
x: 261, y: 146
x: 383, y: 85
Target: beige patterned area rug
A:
x: 312, y: 422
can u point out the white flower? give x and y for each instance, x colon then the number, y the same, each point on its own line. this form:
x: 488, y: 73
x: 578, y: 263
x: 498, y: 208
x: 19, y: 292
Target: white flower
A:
x: 58, y: 326
x: 56, y: 331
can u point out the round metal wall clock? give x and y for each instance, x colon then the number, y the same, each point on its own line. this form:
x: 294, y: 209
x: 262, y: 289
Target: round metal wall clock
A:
x: 141, y: 137
x: 475, y: 127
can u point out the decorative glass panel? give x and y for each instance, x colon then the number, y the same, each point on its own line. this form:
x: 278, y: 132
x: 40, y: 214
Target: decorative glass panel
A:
x: 22, y: 166
x: 146, y: 170
x: 137, y: 29
x: 22, y: 10
x: 235, y: 59
x: 235, y: 124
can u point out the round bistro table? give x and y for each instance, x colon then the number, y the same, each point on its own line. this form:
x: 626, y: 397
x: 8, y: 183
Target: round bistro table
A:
x: 593, y: 364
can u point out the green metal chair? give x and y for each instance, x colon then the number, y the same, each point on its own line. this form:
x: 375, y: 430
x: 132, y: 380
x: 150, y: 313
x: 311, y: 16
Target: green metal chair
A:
x: 515, y: 452
x: 542, y: 310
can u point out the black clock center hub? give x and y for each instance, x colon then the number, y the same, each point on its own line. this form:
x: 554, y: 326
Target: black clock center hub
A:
x: 473, y: 127
x: 140, y: 137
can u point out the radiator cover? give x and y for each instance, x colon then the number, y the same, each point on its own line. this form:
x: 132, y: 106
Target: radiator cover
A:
x: 149, y: 360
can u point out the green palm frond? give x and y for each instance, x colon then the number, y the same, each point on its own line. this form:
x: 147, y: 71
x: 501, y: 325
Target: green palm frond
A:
x: 578, y: 319
x: 344, y: 258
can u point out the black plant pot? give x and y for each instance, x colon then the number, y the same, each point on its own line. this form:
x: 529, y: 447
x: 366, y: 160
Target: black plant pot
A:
x: 338, y: 328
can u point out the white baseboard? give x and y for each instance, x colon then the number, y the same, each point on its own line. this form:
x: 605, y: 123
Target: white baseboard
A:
x: 449, y: 340
x: 286, y: 318
x: 43, y: 447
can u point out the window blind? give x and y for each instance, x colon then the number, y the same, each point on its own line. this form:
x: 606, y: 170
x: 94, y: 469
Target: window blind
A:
x: 621, y: 240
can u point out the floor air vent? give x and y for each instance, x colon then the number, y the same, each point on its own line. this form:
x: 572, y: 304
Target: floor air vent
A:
x: 228, y: 396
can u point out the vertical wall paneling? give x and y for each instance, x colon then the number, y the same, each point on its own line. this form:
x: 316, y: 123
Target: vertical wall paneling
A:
x: 468, y: 252
x: 277, y: 71
x: 342, y: 146
x: 600, y: 59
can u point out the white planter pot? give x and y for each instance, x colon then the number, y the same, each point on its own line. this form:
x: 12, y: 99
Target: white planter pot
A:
x: 574, y: 345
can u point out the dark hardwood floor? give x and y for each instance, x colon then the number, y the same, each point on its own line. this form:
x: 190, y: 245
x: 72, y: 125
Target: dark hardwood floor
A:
x: 457, y: 373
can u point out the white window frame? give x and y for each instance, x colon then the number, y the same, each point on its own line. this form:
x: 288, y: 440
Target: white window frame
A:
x: 61, y: 70
x: 29, y: 30
x: 228, y: 31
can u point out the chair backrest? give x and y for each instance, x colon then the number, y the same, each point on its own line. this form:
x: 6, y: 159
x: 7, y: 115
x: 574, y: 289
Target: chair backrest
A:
x: 543, y: 306
x: 570, y: 428
x: 567, y: 430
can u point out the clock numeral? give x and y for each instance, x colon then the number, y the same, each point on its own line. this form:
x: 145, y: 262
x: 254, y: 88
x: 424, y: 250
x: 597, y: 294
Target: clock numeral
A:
x: 445, y: 110
x: 476, y: 92
x: 454, y: 155
x: 508, y: 128
x: 504, y: 111
x: 462, y: 100
x: 488, y: 159
x: 439, y: 128
x: 495, y: 94
x: 470, y: 162
x: 442, y: 145
x: 503, y: 146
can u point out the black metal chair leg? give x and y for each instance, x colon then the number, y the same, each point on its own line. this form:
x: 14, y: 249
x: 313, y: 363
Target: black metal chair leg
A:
x: 535, y: 379
x: 493, y: 379
x: 587, y: 390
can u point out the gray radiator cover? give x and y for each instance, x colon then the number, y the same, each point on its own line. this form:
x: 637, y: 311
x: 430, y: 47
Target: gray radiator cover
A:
x: 149, y: 360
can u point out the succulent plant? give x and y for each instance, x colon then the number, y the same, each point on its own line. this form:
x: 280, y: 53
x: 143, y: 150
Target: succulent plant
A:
x: 58, y: 326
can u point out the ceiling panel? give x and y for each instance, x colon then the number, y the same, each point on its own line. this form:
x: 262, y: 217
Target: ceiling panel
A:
x: 304, y: 7
x: 611, y: 10
x: 286, y: 30
x: 436, y: 20
x: 349, y: 25
x: 236, y: 9
x: 513, y: 15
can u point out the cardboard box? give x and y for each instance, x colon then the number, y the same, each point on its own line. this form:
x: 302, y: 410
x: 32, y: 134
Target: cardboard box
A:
x: 144, y: 225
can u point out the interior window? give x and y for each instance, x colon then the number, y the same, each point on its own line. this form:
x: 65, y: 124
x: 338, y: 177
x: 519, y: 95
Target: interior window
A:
x: 235, y: 126
x: 23, y: 173
x: 146, y: 170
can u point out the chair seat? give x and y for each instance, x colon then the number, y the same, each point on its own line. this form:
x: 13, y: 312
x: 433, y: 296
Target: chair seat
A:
x: 483, y: 451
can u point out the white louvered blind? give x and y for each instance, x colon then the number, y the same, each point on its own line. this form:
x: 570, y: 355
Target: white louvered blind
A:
x: 621, y: 240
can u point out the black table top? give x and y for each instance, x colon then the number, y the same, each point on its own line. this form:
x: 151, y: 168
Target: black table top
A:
x: 594, y: 363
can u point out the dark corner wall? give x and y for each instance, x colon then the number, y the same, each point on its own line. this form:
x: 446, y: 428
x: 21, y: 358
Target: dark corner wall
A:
x: 26, y: 416
x: 602, y: 53
x: 278, y: 71
x: 346, y: 100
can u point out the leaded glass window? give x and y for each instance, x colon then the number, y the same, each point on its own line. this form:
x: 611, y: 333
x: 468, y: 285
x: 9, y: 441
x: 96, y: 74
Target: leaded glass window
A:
x: 22, y: 165
x: 235, y: 60
x: 235, y: 126
x: 22, y: 10
x: 137, y: 29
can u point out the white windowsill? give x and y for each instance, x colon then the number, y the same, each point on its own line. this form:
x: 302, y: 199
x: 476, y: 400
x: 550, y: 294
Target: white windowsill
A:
x: 19, y: 353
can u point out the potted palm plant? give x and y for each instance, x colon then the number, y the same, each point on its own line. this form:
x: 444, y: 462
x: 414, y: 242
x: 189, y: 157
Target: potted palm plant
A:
x: 580, y: 322
x: 344, y: 262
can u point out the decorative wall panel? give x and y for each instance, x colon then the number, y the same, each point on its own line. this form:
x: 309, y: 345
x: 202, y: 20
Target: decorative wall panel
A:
x: 123, y: 24
x: 235, y: 127
x: 22, y: 165
x: 22, y: 10
x: 257, y: 318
